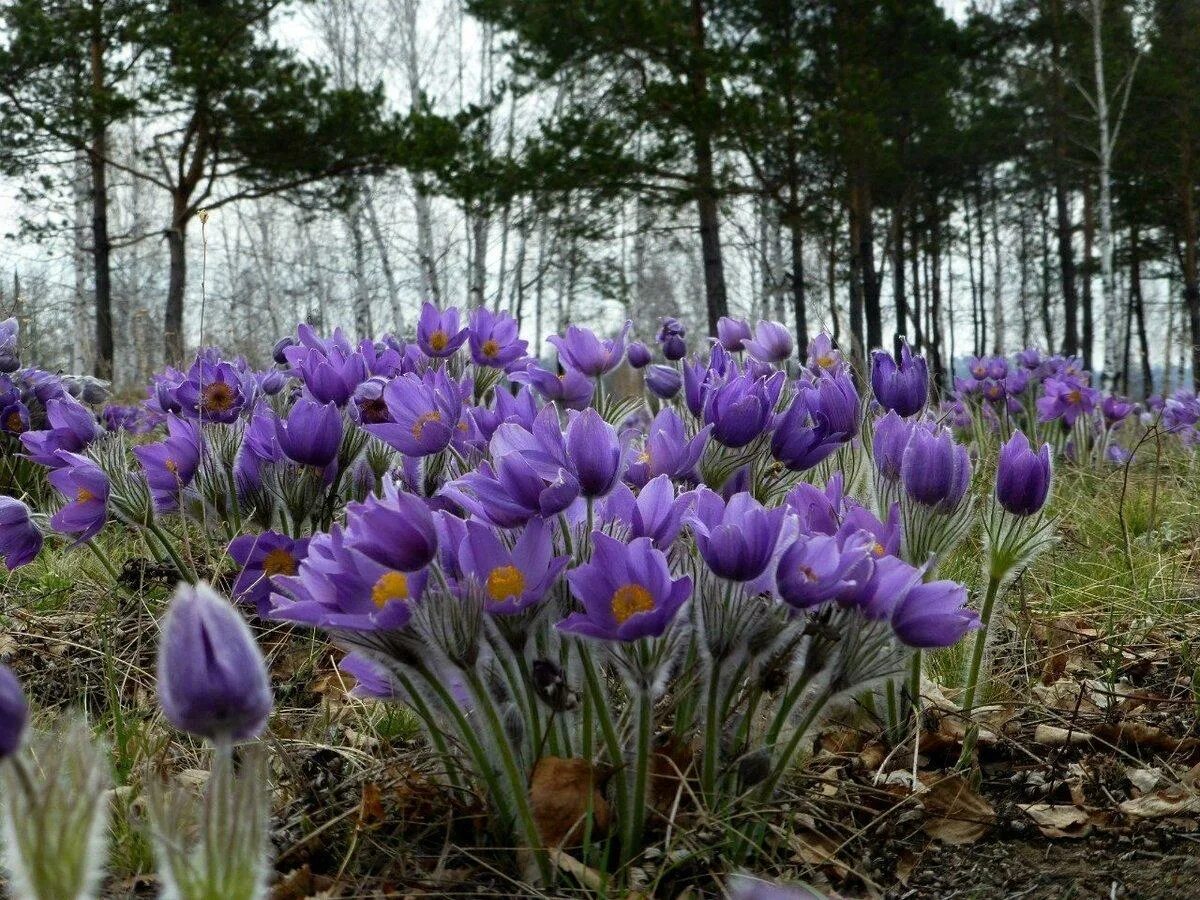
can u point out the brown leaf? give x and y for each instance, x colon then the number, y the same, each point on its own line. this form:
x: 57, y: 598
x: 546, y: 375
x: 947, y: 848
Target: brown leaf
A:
x: 1059, y: 820
x: 300, y: 884
x: 370, y: 807
x: 670, y: 766
x: 955, y: 813
x: 1177, y: 800
x: 563, y: 792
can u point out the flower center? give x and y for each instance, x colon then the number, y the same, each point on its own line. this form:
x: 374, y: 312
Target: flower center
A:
x: 504, y: 582
x: 423, y: 420
x: 807, y: 572
x: 390, y: 586
x: 171, y: 466
x: 373, y: 411
x: 644, y: 457
x: 1074, y: 396
x: 14, y: 422
x: 825, y: 361
x: 83, y: 495
x: 279, y: 562
x: 878, y: 549
x: 438, y: 340
x: 490, y: 348
x: 217, y: 397
x: 629, y: 600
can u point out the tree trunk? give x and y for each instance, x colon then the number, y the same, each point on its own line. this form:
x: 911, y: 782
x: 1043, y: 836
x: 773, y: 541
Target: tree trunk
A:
x: 1191, y: 276
x: 362, y: 295
x: 1139, y: 309
x: 1108, y: 291
x: 1058, y: 121
x: 706, y: 191
x: 798, y: 298
x: 1086, y: 269
x: 101, y: 246
x: 173, y: 343
x: 856, y: 277
x: 898, y: 272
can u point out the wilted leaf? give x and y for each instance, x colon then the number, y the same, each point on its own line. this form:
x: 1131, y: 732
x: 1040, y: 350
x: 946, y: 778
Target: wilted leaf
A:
x: 955, y: 813
x: 1059, y: 820
x: 370, y: 807
x: 563, y: 792
x: 669, y: 767
x: 1177, y: 800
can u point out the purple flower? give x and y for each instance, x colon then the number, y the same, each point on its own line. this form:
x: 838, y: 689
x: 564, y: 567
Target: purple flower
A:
x: 933, y: 614
x: 739, y: 409
x: 1022, y: 476
x: 85, y: 487
x: 494, y: 338
x: 935, y: 470
x: 396, y: 531
x: 696, y: 379
x: 72, y: 428
x: 900, y: 384
x: 818, y: 568
x: 799, y: 439
x: 655, y: 512
x: 626, y: 591
x: 1029, y: 359
x: 14, y: 713
x: 329, y: 375
x: 438, y: 334
x: 732, y: 333
x: 668, y: 450
x: 671, y: 337
x: 663, y: 381
x: 1016, y: 381
x: 311, y: 433
x: 262, y: 557
x: 212, y: 391
x: 512, y: 580
x: 572, y: 389
x: 772, y: 342
x: 424, y: 410
x: 20, y: 539
x: 14, y: 414
x: 511, y: 491
x: 818, y: 511
x: 580, y: 349
x: 259, y: 448
x: 822, y: 355
x: 885, y: 581
x: 9, y: 333
x: 170, y: 465
x: 1116, y: 409
x: 1065, y: 399
x: 341, y: 588
x: 595, y: 453
x: 638, y: 355
x: 736, y: 539
x: 212, y: 680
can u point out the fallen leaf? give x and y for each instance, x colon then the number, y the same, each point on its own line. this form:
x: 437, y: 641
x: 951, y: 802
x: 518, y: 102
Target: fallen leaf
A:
x: 562, y: 793
x: 1177, y: 800
x: 1053, y: 736
x: 670, y: 766
x: 955, y: 813
x: 1059, y: 820
x: 1144, y: 780
x: 370, y: 807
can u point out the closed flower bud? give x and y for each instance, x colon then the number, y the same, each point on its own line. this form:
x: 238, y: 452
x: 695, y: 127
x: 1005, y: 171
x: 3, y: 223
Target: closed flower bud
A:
x: 14, y: 713
x: 1023, y: 476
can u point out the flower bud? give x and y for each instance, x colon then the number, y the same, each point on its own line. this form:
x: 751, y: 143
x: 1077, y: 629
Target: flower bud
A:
x: 14, y: 713
x: 1023, y: 476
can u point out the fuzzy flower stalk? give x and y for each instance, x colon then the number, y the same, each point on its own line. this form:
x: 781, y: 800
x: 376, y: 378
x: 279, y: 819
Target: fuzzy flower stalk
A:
x: 212, y: 682
x: 1017, y: 530
x: 53, y: 808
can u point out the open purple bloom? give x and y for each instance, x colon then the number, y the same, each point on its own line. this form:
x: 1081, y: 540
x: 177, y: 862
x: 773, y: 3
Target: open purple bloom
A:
x: 396, y: 530
x: 823, y: 356
x: 263, y: 557
x: 668, y: 450
x: 883, y: 581
x: 212, y: 391
x: 311, y: 433
x: 772, y: 342
x: 72, y: 428
x: 1066, y: 399
x: 935, y: 470
x: 818, y: 511
x: 806, y: 433
x: 900, y: 384
x: 740, y: 408
x: 511, y: 491
x: 572, y: 389
x: 425, y: 411
x: 330, y: 374
x: 818, y: 568
x: 1029, y: 359
x: 626, y: 590
x: 512, y: 579
x: 638, y: 355
x: 595, y: 453
x: 1116, y: 409
x: 86, y: 488
x: 494, y: 338
x: 1022, y: 476
x: 20, y: 538
x: 212, y: 680
x: 438, y: 332
x: 933, y: 614
x: 581, y: 350
x: 656, y: 512
x: 14, y: 414
x: 170, y: 465
x: 663, y: 381
x: 732, y: 333
x: 736, y: 539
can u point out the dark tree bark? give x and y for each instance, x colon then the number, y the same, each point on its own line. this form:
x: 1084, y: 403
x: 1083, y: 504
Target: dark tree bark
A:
x: 798, y: 295
x: 898, y: 271
x: 101, y: 245
x: 173, y: 344
x: 1047, y: 320
x: 1086, y: 270
x: 1139, y: 311
x: 1062, y: 208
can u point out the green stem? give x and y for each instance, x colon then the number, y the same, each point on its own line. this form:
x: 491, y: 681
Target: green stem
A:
x: 176, y: 560
x: 635, y: 822
x: 972, y: 680
x: 435, y: 733
x: 104, y: 561
x: 712, y: 735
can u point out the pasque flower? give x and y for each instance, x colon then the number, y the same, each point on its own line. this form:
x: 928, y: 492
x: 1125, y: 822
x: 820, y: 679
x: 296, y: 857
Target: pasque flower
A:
x: 170, y: 465
x: 1066, y: 399
x: 772, y: 342
x: 513, y: 579
x: 732, y: 333
x: 900, y: 384
x: 212, y: 391
x: 263, y: 557
x: 739, y: 408
x: 9, y: 332
x: 572, y: 389
x: 595, y: 452
x: 626, y: 590
x: 668, y: 450
x: 822, y: 416
x: 816, y: 569
x: 212, y: 681
x: 935, y: 470
x: 933, y: 614
x: 425, y: 411
x: 736, y: 539
x: 663, y: 381
x: 638, y: 355
x: 888, y: 443
x: 671, y: 336
x: 396, y: 530
x: 656, y: 512
x: 86, y: 489
x: 510, y: 491
x: 493, y: 338
x: 823, y: 356
x: 14, y: 713
x: 20, y: 538
x: 1022, y: 476
x: 330, y: 370
x: 581, y: 350
x: 311, y: 433
x: 72, y: 428
x: 438, y: 332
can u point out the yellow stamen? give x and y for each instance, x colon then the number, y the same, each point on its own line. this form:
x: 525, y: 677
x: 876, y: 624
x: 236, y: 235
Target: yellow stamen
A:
x: 83, y: 495
x: 423, y: 420
x: 1075, y: 396
x: 825, y: 361
x: 878, y: 549
x: 438, y: 340
x: 390, y: 586
x: 490, y: 348
x: 279, y: 562
x: 504, y: 582
x: 629, y: 600
x: 171, y: 466
x: 217, y: 397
